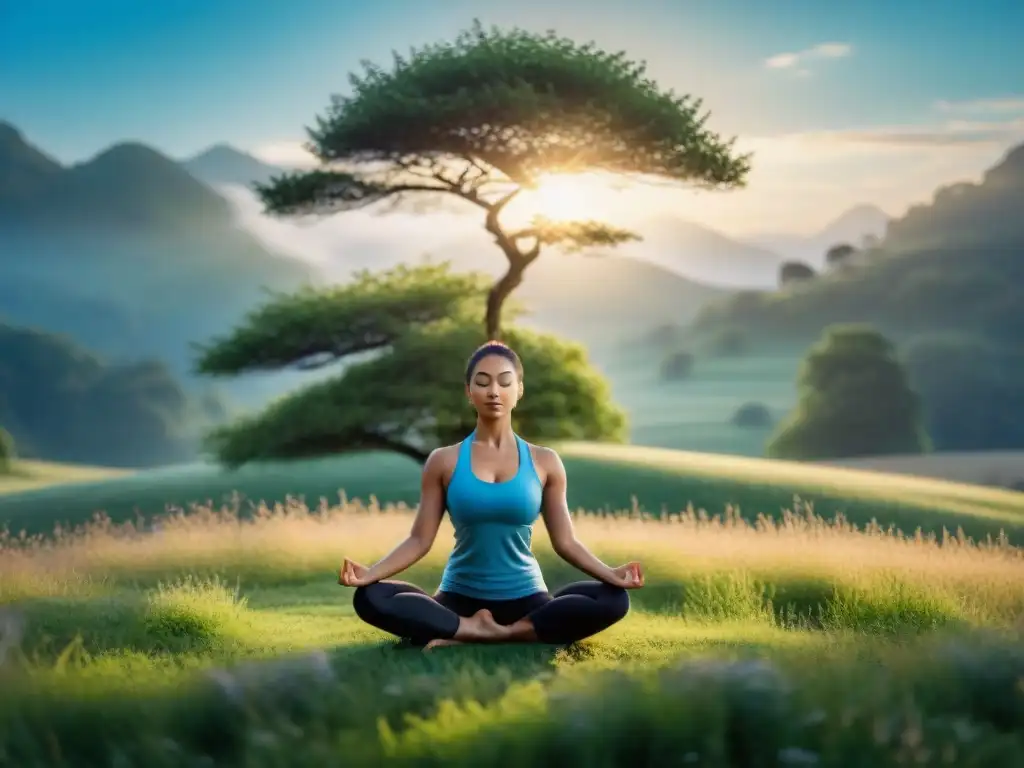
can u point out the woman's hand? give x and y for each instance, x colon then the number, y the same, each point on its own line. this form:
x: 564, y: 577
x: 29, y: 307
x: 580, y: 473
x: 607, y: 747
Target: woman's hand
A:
x: 352, y: 574
x: 629, y: 576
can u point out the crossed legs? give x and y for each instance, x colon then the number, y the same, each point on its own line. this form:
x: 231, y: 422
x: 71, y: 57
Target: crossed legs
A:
x: 573, y: 613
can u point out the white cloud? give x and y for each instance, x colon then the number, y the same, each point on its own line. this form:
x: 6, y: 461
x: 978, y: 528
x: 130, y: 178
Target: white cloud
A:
x: 996, y: 105
x: 949, y: 134
x: 795, y: 60
x: 291, y: 154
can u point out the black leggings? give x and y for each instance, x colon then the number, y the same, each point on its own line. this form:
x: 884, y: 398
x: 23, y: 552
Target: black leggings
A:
x: 572, y: 613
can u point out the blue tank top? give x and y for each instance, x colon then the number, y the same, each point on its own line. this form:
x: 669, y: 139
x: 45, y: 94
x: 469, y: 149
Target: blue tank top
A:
x: 492, y: 558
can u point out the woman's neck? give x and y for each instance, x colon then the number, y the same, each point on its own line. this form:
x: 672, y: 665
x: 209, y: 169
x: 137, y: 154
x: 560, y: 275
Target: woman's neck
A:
x: 494, y: 432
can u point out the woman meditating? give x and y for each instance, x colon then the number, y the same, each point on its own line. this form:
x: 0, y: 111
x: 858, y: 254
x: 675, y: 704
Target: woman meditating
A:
x: 494, y: 485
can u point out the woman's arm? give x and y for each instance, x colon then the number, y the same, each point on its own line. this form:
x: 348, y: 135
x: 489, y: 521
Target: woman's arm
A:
x: 560, y: 528
x: 424, y: 526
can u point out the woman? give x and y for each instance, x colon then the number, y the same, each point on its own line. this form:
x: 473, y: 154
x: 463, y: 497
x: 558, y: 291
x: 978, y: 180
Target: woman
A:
x: 494, y: 486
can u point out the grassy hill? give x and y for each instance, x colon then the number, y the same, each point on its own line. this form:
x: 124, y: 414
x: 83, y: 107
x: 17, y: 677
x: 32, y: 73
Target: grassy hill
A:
x: 220, y: 641
x: 62, y: 402
x: 27, y: 475
x: 600, y: 477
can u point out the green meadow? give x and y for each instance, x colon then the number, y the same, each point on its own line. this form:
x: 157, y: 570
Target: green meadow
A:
x: 769, y: 633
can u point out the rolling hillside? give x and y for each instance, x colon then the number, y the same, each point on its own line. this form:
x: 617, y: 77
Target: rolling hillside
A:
x: 601, y: 477
x: 955, y: 265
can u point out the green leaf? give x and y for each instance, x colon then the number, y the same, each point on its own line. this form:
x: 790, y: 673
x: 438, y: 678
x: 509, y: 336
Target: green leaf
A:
x: 575, y: 236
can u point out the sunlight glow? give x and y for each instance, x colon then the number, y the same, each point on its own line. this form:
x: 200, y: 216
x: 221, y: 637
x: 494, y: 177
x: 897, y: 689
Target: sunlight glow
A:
x: 576, y: 197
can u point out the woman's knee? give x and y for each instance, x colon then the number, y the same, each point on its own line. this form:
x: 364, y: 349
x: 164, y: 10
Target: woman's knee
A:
x: 616, y: 602
x: 365, y: 601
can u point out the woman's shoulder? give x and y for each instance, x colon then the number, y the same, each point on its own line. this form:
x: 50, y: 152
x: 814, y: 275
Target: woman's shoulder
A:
x: 543, y: 456
x: 441, y: 461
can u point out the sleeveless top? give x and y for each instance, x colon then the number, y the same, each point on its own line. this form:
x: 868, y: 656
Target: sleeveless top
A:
x: 492, y: 558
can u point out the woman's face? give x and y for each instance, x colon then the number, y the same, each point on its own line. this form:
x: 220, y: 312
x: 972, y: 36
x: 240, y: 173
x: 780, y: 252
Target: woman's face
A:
x: 494, y: 388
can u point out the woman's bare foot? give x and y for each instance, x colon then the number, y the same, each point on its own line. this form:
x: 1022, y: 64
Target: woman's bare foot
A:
x: 481, y: 628
x: 440, y: 643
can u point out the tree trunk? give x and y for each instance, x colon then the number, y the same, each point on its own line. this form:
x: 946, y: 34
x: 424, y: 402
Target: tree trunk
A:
x: 498, y: 293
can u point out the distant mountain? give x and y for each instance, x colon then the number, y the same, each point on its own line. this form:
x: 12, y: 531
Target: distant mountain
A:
x: 850, y: 227
x: 605, y: 300
x: 953, y: 265
x: 134, y: 233
x: 223, y: 164
x: 25, y: 169
x: 702, y: 254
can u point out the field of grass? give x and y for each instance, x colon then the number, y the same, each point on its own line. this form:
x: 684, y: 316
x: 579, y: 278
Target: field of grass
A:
x: 217, y: 639
x: 28, y: 475
x: 694, y: 415
x: 601, y: 477
x: 999, y: 468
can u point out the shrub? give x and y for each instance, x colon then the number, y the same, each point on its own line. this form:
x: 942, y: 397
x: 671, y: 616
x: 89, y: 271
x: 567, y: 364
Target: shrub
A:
x: 795, y: 272
x: 854, y: 401
x: 752, y: 415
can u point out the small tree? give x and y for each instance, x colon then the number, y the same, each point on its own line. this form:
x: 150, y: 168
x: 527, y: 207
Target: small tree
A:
x: 854, y: 401
x: 839, y: 255
x: 489, y: 116
x: 7, y: 451
x: 752, y: 416
x: 408, y: 395
x: 795, y: 272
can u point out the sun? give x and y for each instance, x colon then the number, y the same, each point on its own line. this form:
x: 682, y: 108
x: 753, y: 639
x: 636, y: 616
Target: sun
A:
x: 562, y: 198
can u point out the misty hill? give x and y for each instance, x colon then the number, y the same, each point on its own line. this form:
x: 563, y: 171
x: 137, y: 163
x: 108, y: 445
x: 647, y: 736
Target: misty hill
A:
x: 223, y: 164
x: 606, y: 299
x: 26, y: 169
x: 61, y: 402
x: 702, y: 254
x: 956, y: 264
x: 128, y: 239
x: 850, y: 227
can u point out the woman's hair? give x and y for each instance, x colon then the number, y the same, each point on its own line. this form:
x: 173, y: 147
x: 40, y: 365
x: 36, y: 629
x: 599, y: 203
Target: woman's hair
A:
x: 493, y: 348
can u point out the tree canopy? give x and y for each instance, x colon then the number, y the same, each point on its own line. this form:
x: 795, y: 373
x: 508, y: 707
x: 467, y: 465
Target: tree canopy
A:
x: 406, y: 394
x: 487, y: 116
x: 854, y: 401
x: 314, y: 327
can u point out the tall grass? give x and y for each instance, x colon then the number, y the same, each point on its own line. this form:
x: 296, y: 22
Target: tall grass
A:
x: 766, y: 642
x: 796, y: 561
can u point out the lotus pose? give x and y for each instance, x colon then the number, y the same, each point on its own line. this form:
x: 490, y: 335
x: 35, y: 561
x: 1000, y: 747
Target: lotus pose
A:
x: 494, y: 485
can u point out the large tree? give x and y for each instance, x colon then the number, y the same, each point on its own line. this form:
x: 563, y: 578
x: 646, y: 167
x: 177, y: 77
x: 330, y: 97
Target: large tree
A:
x: 854, y: 401
x: 403, y: 337
x: 489, y: 115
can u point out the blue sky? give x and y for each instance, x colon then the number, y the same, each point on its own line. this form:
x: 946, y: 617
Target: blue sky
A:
x: 77, y: 76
